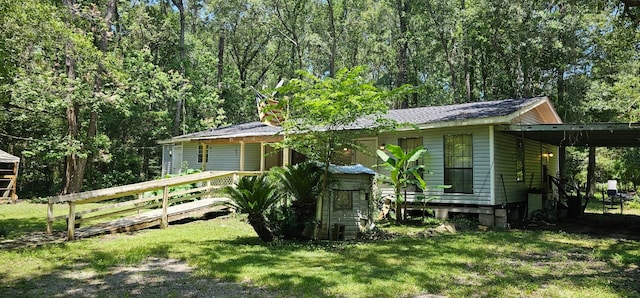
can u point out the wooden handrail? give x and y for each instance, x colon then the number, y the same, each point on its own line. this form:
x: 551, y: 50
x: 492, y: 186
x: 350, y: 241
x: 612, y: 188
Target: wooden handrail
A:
x: 137, y: 189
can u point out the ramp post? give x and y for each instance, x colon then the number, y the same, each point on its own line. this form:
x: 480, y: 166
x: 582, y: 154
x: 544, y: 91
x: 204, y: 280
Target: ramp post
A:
x: 165, y: 201
x: 50, y: 218
x: 71, y: 221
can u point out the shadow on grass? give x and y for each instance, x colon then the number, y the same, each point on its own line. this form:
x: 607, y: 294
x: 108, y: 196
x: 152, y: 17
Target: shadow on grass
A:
x: 153, y: 277
x: 513, y: 263
x: 15, y: 227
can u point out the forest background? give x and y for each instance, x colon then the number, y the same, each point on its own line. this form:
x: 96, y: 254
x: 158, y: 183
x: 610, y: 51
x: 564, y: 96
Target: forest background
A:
x: 87, y: 88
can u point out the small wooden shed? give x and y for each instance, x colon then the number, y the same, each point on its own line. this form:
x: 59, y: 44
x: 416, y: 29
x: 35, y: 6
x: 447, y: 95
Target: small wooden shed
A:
x: 8, y: 177
x: 347, y: 208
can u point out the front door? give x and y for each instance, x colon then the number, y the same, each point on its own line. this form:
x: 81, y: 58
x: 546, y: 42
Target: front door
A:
x: 176, y: 159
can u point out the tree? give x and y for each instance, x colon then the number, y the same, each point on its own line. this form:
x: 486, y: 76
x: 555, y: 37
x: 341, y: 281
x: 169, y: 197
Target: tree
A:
x: 254, y: 195
x: 321, y: 113
x: 402, y: 168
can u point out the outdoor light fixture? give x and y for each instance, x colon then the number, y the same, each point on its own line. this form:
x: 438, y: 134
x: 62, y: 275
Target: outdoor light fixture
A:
x: 382, y: 146
x: 547, y: 154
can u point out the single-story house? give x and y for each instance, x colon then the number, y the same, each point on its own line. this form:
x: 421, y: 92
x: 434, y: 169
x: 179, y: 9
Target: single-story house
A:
x: 486, y: 167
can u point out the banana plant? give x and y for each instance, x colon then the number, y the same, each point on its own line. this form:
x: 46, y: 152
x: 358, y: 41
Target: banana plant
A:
x: 401, y: 171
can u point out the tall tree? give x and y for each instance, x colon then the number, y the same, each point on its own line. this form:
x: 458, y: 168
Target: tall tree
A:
x: 177, y: 122
x: 333, y: 104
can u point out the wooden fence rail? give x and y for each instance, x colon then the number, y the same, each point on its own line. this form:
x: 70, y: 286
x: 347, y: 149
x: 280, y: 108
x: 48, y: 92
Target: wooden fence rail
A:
x: 144, y: 195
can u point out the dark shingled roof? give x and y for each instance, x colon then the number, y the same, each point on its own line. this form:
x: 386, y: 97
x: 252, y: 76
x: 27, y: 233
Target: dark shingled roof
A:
x: 473, y: 110
x: 239, y: 130
x: 413, y: 116
x: 464, y: 111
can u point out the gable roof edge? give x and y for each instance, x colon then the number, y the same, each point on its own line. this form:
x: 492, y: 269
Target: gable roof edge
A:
x: 543, y: 101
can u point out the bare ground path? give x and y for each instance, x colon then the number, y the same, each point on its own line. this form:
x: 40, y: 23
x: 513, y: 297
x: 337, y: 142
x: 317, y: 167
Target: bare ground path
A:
x: 154, y: 277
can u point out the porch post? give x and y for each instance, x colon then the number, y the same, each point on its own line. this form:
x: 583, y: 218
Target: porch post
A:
x: 241, y: 156
x: 262, y: 163
x: 286, y: 160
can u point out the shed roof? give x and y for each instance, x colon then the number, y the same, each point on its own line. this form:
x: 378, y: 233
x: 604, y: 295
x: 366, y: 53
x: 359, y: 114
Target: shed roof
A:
x: 485, y: 112
x: 351, y: 169
x: 8, y: 158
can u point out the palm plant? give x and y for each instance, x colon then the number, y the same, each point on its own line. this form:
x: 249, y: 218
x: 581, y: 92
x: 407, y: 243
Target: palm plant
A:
x: 303, y: 183
x: 254, y: 196
x: 401, y: 170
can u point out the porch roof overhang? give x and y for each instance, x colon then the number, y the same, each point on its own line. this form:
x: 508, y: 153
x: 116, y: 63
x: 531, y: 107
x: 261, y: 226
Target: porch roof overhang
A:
x: 579, y: 135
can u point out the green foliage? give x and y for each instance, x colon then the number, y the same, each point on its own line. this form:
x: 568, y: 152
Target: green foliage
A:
x: 254, y: 195
x: 320, y: 109
x: 495, y: 263
x: 302, y: 184
x: 403, y: 168
x: 583, y: 55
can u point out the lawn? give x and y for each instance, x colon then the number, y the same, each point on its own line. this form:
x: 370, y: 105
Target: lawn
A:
x: 483, y: 264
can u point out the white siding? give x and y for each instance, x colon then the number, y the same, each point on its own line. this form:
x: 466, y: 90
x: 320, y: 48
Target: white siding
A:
x: 351, y: 219
x: 252, y: 157
x: 224, y: 157
x: 505, y: 160
x: 433, y: 140
x: 505, y: 169
x: 530, y: 117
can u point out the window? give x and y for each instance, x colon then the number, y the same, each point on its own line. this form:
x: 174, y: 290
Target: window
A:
x: 408, y: 144
x: 458, y: 163
x: 343, y: 199
x: 206, y: 156
x: 519, y: 160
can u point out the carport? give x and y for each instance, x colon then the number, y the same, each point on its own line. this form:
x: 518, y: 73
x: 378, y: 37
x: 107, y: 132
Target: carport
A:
x: 590, y: 135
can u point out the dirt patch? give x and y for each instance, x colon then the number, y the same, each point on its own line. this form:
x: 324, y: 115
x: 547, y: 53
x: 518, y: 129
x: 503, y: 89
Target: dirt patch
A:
x: 619, y: 226
x: 153, y: 278
x: 33, y: 239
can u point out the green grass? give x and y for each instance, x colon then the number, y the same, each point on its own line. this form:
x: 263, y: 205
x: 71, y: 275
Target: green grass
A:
x: 485, y: 264
x: 595, y: 206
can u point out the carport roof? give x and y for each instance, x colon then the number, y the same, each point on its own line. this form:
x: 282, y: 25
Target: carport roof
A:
x: 579, y: 135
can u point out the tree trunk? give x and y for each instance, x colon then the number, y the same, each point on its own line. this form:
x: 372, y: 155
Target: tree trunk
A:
x: 398, y: 206
x: 403, y: 48
x: 177, y: 121
x: 259, y: 224
x: 333, y: 46
x: 221, y: 56
x: 195, y: 8
x: 71, y: 161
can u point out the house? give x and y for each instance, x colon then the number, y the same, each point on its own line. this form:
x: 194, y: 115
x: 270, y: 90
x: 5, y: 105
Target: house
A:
x: 488, y: 168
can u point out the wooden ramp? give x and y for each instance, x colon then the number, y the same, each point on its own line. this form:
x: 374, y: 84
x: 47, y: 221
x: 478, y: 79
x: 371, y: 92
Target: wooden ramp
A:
x: 153, y: 218
x: 122, y: 207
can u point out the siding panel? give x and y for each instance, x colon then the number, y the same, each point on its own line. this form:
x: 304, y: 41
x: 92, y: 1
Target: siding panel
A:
x: 224, y: 157
x: 433, y: 140
x: 252, y: 157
